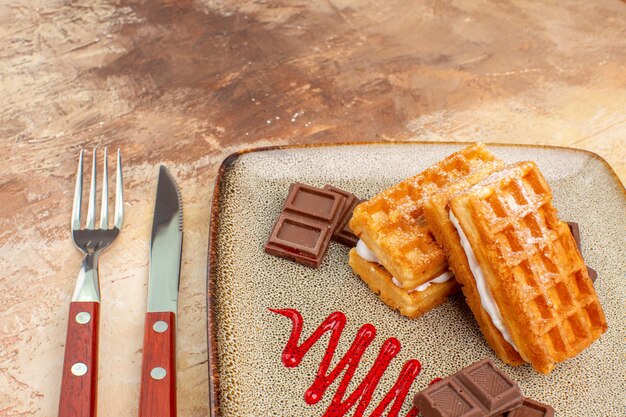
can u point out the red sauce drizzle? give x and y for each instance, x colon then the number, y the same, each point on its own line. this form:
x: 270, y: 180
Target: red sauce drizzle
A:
x: 334, y: 323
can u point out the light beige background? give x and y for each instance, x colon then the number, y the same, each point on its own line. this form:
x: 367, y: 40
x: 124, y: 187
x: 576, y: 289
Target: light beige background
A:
x: 187, y: 82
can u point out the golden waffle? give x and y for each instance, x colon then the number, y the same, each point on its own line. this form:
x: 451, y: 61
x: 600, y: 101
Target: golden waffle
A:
x: 392, y: 224
x: 531, y: 265
x: 410, y: 304
x: 436, y: 212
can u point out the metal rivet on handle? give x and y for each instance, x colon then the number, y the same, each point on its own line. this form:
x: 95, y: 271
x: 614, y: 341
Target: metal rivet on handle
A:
x: 83, y: 317
x: 79, y: 369
x: 160, y: 326
x: 158, y: 373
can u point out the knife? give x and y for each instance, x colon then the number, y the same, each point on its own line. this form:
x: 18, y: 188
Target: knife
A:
x: 158, y: 369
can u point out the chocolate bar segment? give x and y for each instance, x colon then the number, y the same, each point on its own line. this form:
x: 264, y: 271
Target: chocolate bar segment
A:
x: 304, y: 229
x: 573, y: 227
x: 532, y: 408
x: 343, y: 234
x: 313, y: 203
x: 302, y: 235
x: 479, y: 390
x: 592, y: 274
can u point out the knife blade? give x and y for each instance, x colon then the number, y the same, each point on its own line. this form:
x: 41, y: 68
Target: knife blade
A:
x: 158, y: 370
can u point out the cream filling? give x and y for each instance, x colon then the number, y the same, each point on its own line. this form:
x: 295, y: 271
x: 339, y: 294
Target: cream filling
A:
x: 486, y: 298
x: 364, y: 252
x: 440, y: 279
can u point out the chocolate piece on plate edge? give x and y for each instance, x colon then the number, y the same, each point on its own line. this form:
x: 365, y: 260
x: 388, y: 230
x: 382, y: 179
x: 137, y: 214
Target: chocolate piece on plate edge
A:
x: 573, y: 227
x: 479, y: 390
x: 532, y: 408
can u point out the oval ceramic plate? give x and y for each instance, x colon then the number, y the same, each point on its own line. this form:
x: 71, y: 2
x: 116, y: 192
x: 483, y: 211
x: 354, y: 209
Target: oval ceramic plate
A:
x: 246, y: 339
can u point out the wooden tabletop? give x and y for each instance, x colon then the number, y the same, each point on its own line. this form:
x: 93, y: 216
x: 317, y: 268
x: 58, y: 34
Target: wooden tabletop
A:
x: 186, y: 83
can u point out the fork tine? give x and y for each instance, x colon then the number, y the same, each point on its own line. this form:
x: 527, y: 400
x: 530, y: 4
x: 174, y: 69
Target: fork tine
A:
x: 104, y: 207
x: 91, y: 208
x: 78, y: 194
x: 119, y: 194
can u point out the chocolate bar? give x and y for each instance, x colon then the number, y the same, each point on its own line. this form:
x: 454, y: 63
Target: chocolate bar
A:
x: 573, y: 227
x: 479, y: 390
x: 304, y: 228
x: 592, y: 274
x: 532, y: 408
x: 343, y: 234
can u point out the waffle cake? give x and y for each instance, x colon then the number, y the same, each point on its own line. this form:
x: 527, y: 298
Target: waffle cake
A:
x: 392, y: 228
x: 525, y: 277
x: 436, y: 211
x: 411, y: 304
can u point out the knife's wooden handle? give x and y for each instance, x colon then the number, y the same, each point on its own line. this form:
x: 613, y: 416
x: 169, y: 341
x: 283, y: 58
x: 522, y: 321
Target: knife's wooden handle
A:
x: 158, y: 369
x: 79, y: 386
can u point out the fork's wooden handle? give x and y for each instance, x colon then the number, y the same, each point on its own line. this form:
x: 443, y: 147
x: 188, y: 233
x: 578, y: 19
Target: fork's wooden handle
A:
x: 158, y: 369
x: 79, y: 386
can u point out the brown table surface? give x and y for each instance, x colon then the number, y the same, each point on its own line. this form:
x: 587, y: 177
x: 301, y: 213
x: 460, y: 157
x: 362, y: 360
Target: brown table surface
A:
x: 186, y: 83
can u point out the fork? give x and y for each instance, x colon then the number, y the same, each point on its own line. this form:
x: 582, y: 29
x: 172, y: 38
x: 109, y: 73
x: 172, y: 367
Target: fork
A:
x: 79, y: 384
